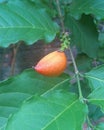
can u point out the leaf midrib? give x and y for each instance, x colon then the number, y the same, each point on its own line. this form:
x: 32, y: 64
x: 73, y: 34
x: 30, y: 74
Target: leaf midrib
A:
x: 59, y: 114
x: 21, y: 27
x: 94, y: 99
x: 95, y: 78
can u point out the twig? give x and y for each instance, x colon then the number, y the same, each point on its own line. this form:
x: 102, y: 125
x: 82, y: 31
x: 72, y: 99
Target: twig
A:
x: 60, y: 15
x: 15, y: 49
x: 2, y: 58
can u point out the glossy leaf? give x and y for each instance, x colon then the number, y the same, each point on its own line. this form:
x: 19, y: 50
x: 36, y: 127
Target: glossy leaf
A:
x: 96, y: 77
x: 57, y: 111
x: 20, y: 20
x: 1, y: 1
x: 15, y: 90
x: 95, y: 112
x: 101, y: 55
x: 101, y: 38
x: 100, y: 126
x: 84, y: 34
x: 94, y: 7
x: 97, y: 97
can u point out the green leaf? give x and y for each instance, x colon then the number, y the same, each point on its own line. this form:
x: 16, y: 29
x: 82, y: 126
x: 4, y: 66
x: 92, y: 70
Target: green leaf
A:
x: 101, y: 38
x: 100, y: 126
x: 97, y: 97
x: 15, y: 90
x: 95, y: 7
x: 20, y: 20
x: 84, y: 34
x: 101, y: 55
x: 1, y: 1
x: 95, y: 112
x: 83, y: 63
x: 96, y: 77
x: 57, y: 111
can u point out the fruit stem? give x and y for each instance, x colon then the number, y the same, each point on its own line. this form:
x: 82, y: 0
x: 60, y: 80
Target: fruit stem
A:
x: 77, y: 75
x: 60, y: 15
x: 65, y: 45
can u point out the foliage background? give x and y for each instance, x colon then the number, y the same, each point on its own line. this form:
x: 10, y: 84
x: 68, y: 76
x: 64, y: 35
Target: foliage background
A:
x: 54, y: 102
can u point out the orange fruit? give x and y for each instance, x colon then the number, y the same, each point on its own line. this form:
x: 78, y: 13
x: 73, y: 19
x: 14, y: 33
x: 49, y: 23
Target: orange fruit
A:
x: 52, y: 64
